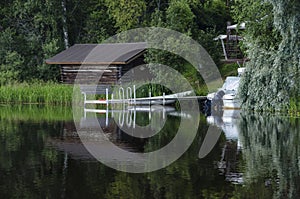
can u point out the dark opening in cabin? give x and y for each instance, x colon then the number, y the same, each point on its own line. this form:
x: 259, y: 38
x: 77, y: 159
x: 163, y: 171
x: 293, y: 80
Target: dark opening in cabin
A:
x: 90, y: 61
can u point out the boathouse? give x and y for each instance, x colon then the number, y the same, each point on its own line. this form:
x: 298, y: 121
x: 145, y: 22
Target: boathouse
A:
x: 90, y: 61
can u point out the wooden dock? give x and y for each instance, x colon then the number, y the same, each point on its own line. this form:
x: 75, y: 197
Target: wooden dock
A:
x: 157, y: 100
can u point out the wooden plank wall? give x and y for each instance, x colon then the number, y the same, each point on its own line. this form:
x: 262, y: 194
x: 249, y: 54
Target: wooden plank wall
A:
x: 89, y: 74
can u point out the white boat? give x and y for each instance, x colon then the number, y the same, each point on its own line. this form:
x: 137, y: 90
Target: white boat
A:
x: 230, y: 101
x: 230, y: 88
x: 226, y: 97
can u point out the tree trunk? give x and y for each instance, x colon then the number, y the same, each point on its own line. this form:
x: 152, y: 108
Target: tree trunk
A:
x: 65, y: 25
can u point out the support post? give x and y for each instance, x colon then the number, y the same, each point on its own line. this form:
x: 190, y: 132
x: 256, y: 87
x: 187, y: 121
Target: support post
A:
x: 224, y: 49
x: 84, y: 100
x: 122, y: 96
x: 112, y: 105
x: 149, y: 98
x: 106, y: 92
x: 134, y: 95
x: 134, y: 116
x: 106, y: 117
x: 129, y: 94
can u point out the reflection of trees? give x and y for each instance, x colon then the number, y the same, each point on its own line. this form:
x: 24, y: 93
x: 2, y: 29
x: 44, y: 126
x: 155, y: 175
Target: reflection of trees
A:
x: 28, y: 167
x: 25, y: 168
x: 271, y: 153
x: 188, y: 177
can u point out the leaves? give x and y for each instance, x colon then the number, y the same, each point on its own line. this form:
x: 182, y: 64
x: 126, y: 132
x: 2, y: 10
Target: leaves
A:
x: 272, y: 39
x: 126, y: 13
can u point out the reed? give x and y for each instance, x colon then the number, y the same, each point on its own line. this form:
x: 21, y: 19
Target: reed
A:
x: 36, y: 93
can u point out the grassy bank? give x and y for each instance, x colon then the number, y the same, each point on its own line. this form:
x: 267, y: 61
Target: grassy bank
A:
x: 41, y: 93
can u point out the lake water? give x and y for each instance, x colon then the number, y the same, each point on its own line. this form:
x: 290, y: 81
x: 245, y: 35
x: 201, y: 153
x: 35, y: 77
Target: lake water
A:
x: 42, y: 156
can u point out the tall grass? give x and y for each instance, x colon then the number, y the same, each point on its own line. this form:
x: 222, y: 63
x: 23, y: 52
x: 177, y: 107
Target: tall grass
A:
x: 36, y: 93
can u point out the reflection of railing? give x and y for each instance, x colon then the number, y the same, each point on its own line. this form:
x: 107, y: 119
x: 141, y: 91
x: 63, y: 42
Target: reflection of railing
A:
x: 127, y: 114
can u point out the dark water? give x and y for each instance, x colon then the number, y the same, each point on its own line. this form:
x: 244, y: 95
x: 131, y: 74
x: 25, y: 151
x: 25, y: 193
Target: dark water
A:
x: 41, y: 156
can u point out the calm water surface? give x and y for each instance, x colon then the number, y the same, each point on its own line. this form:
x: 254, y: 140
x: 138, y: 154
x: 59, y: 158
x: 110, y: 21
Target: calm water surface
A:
x: 41, y: 156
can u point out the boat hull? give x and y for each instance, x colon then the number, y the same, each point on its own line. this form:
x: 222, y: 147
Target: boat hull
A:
x: 231, y: 104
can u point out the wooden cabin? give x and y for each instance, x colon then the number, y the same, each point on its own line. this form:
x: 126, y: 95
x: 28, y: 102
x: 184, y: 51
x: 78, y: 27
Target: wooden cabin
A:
x: 87, y: 62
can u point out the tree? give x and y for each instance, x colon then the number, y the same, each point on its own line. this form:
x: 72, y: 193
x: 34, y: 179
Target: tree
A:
x: 272, y: 39
x: 126, y: 13
x: 180, y: 16
x: 98, y: 25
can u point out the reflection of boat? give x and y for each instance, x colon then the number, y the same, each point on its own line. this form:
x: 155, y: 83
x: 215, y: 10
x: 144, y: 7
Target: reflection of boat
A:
x: 226, y: 96
x: 227, y: 121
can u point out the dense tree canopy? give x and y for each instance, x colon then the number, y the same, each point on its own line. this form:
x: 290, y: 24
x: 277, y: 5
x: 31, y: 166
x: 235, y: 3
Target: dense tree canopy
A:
x: 34, y: 30
x: 272, y: 42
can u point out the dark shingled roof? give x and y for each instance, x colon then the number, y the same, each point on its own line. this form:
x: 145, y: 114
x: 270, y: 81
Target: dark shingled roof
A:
x: 116, y: 53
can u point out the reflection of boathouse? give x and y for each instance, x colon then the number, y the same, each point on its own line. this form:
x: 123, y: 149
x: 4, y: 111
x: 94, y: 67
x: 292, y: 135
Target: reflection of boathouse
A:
x: 71, y: 143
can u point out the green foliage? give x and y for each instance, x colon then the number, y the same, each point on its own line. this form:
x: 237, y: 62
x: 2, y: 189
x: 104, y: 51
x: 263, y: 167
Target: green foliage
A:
x: 32, y: 31
x: 98, y: 25
x: 47, y: 72
x: 206, y: 39
x: 294, y: 108
x: 213, y: 14
x: 11, y: 67
x: 272, y: 39
x: 179, y: 16
x: 228, y: 70
x: 126, y: 13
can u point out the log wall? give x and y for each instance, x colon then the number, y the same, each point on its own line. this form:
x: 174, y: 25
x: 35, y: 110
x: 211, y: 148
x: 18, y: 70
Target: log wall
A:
x: 90, y: 74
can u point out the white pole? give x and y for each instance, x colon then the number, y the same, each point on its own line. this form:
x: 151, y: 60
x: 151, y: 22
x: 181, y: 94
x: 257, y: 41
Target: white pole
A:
x: 122, y: 96
x: 106, y: 91
x: 84, y: 94
x: 150, y: 115
x: 134, y: 116
x: 106, y: 117
x: 164, y: 100
x: 129, y: 118
x: 134, y: 95
x: 112, y: 105
x: 129, y: 94
x: 149, y: 98
x: 224, y: 49
x: 121, y: 117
